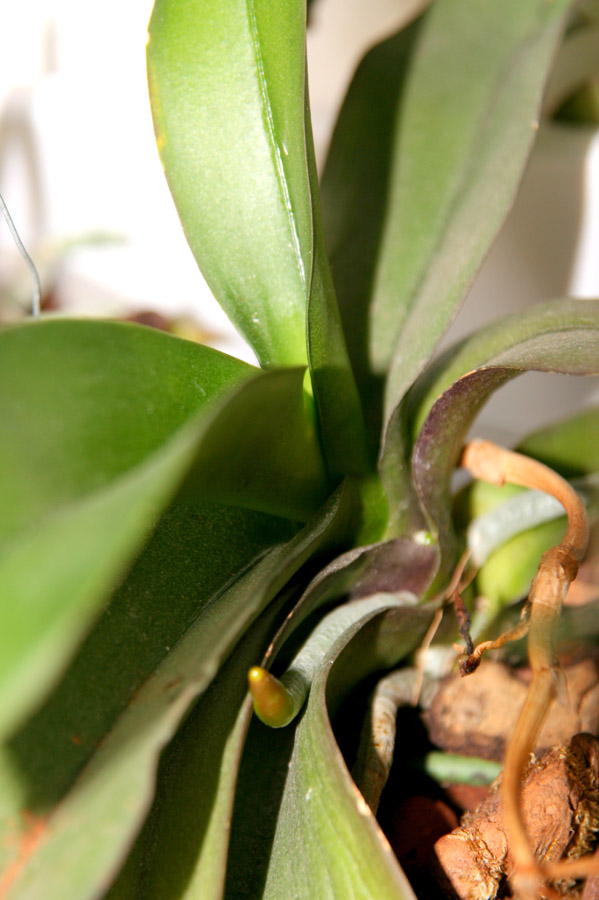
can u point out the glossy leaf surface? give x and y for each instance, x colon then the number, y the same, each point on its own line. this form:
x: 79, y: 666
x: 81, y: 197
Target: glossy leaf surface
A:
x: 227, y: 90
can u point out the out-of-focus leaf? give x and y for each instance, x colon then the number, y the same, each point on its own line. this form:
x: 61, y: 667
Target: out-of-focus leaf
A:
x: 571, y: 447
x: 576, y: 66
x: 84, y: 402
x: 429, y: 155
x: 157, y: 646
x: 304, y: 806
x: 508, y: 573
x: 227, y: 84
x: 501, y: 66
x: 561, y: 337
x: 95, y: 439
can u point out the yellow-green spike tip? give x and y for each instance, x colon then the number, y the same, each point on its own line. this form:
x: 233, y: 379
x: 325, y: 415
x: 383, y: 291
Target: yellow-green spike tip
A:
x: 272, y: 702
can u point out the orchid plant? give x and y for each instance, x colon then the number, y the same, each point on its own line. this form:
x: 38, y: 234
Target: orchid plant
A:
x: 174, y: 518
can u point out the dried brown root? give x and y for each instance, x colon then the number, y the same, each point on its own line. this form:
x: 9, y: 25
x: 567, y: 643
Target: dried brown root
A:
x: 557, y: 569
x: 560, y: 811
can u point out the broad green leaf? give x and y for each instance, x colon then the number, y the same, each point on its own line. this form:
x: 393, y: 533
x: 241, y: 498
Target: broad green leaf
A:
x: 103, y: 421
x: 560, y: 337
x: 86, y: 763
x: 84, y: 402
x: 191, y: 862
x: 94, y: 443
x: 355, y: 197
x: 55, y: 576
x: 413, y: 202
x: 322, y: 824
x: 262, y: 450
x: 227, y: 83
x: 195, y: 789
x: 489, y: 103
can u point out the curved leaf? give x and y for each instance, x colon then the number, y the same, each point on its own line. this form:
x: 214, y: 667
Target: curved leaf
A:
x: 576, y: 66
x: 95, y: 441
x: 322, y: 823
x: 569, y: 446
x: 262, y: 451
x: 561, y: 337
x: 190, y: 861
x: 423, y: 170
x: 123, y: 414
x: 509, y: 341
x: 117, y: 706
x: 170, y: 864
x: 227, y: 90
x: 84, y: 402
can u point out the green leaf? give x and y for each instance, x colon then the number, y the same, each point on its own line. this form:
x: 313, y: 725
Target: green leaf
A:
x: 569, y: 446
x: 103, y: 421
x: 335, y: 391
x: 576, y: 67
x: 84, y: 402
x: 227, y: 84
x: 86, y: 763
x: 94, y: 443
x: 424, y: 166
x: 262, y: 450
x: 559, y: 337
x: 304, y: 807
x: 196, y: 788
x: 190, y: 862
x: 354, y: 194
x: 508, y: 573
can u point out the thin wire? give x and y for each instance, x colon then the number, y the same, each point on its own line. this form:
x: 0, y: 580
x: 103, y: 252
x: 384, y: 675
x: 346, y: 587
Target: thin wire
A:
x: 37, y: 287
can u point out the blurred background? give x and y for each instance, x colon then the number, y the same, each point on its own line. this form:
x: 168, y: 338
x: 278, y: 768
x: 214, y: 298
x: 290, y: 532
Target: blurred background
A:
x: 81, y: 176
